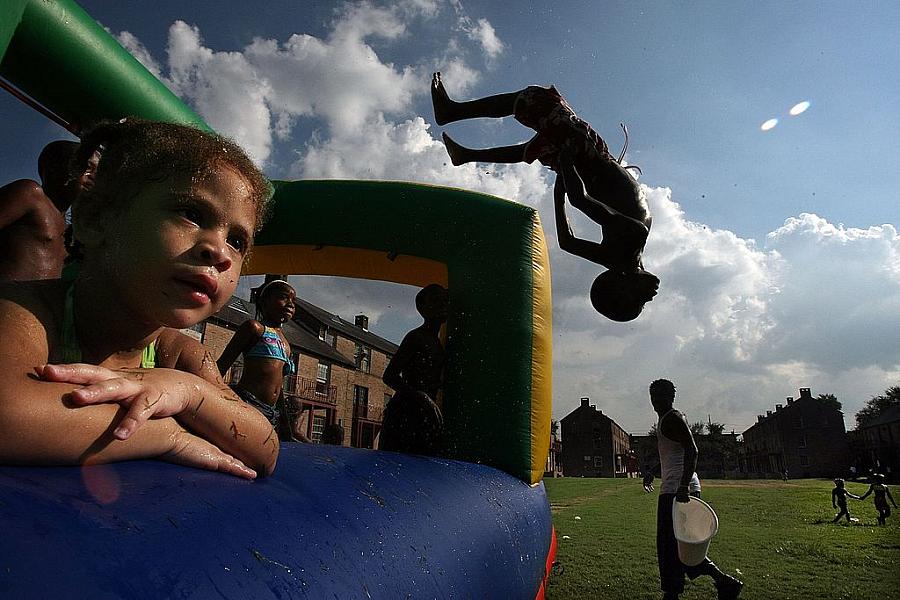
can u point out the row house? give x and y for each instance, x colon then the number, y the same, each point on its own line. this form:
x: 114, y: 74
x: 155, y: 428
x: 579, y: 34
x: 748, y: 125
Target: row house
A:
x: 594, y: 445
x: 877, y: 446
x: 338, y: 367
x: 805, y: 437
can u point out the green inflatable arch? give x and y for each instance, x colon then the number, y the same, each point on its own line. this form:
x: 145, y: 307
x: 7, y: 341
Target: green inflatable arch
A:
x: 490, y: 252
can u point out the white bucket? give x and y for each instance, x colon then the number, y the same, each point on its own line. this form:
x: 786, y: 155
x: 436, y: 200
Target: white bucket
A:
x: 695, y: 524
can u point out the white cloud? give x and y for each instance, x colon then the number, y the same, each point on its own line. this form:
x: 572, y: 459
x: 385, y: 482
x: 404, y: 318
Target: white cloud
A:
x: 131, y: 43
x: 483, y: 33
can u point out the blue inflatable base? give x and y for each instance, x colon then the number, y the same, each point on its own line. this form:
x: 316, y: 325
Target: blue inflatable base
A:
x: 331, y: 522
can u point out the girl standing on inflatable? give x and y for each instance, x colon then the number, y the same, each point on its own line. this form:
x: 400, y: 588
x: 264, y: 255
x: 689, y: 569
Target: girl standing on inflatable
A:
x: 94, y: 367
x: 267, y: 356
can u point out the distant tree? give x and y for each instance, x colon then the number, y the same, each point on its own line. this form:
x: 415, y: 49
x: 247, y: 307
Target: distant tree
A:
x: 829, y: 400
x: 698, y: 428
x: 554, y: 428
x: 715, y: 428
x: 652, y: 431
x: 877, y: 405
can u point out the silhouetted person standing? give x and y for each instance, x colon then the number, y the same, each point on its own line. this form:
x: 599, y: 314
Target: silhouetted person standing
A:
x: 678, y: 463
x: 412, y: 420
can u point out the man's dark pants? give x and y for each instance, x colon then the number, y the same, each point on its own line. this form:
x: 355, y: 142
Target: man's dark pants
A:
x: 671, y: 570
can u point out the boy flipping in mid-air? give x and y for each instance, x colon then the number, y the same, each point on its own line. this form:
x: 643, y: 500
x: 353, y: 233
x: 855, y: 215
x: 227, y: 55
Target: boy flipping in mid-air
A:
x: 569, y: 146
x: 839, y: 500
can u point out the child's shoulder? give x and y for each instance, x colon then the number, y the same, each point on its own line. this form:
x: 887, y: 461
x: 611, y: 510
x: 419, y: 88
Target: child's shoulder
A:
x: 40, y: 298
x: 173, y: 343
x: 30, y: 310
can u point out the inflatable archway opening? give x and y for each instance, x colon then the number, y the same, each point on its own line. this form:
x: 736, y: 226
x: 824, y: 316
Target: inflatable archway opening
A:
x: 492, y: 256
x: 489, y: 252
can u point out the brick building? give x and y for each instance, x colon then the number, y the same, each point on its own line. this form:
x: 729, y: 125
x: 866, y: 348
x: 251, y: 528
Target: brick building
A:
x: 805, y: 436
x: 879, y: 444
x: 338, y: 367
x: 593, y: 445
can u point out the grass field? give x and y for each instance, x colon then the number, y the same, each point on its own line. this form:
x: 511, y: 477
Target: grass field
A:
x: 777, y: 537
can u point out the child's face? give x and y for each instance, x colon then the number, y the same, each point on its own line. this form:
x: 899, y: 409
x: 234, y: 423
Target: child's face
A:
x: 175, y: 252
x: 278, y: 303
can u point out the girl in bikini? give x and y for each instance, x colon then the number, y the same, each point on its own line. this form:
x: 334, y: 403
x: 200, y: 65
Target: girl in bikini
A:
x: 94, y: 367
x: 267, y: 355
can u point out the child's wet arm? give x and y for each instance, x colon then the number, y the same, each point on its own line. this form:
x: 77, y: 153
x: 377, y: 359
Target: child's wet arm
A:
x: 38, y: 427
x: 216, y: 414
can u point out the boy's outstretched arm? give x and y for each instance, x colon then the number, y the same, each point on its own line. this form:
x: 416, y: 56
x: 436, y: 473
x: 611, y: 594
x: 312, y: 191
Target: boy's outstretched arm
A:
x: 585, y: 249
x: 393, y: 373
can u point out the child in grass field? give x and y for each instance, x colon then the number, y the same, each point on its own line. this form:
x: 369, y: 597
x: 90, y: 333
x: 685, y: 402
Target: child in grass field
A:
x: 94, y: 367
x: 882, y: 494
x: 839, y: 500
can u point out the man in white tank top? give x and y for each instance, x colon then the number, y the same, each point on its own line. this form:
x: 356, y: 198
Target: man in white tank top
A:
x: 678, y: 465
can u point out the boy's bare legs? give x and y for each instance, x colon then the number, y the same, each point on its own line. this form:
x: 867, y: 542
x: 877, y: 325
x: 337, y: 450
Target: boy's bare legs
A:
x: 460, y: 155
x: 447, y: 110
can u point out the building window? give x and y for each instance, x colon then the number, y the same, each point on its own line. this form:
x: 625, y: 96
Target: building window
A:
x: 598, y: 462
x: 326, y: 336
x: 363, y: 356
x: 804, y: 460
x: 323, y: 370
x: 361, y: 401
x: 803, y: 440
x: 587, y: 459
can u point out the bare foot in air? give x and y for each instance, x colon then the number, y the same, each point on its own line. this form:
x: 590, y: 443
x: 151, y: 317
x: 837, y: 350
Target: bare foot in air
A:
x: 455, y: 151
x: 440, y: 100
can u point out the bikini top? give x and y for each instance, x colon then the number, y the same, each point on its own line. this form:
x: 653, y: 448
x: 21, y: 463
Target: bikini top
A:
x: 71, y: 351
x: 270, y: 345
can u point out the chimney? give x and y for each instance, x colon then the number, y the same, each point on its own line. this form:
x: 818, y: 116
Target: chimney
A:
x: 790, y: 400
x: 759, y: 418
x: 778, y: 407
x: 768, y: 413
x: 805, y: 393
x: 584, y: 401
x: 362, y: 321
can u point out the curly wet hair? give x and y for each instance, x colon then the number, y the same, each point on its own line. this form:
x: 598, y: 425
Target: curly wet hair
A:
x: 134, y: 152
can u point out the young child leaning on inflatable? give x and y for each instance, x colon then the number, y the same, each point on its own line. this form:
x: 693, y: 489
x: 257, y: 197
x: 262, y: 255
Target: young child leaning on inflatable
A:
x: 94, y: 367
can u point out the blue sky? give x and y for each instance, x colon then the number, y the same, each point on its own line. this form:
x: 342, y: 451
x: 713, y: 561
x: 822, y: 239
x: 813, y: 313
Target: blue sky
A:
x: 777, y: 250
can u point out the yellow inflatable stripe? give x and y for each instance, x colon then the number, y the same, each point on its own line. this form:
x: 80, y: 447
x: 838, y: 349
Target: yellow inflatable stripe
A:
x: 360, y: 263
x: 541, y: 353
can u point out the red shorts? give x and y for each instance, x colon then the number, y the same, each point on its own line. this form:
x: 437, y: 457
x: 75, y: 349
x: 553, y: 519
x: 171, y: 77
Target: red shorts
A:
x: 557, y: 125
